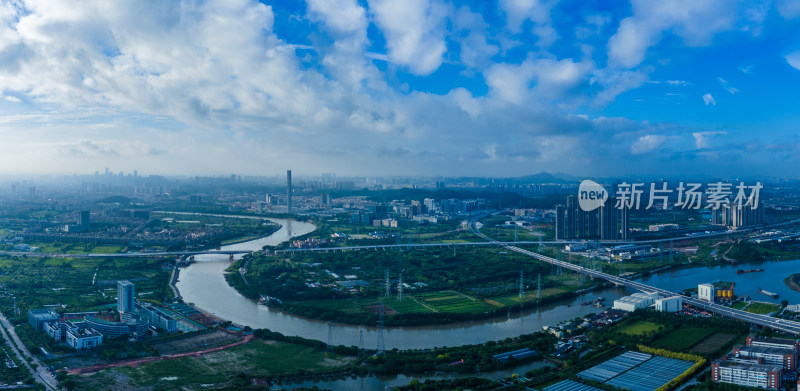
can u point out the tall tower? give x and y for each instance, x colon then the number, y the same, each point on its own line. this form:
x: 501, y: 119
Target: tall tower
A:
x: 521, y: 287
x: 387, y: 284
x: 400, y: 287
x: 125, y: 296
x: 289, y: 191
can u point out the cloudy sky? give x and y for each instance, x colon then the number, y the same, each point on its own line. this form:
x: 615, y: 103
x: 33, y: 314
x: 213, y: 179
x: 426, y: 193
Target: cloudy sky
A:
x: 417, y: 87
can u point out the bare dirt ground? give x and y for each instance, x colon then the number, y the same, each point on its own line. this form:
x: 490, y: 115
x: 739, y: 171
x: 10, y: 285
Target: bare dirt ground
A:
x: 196, y: 342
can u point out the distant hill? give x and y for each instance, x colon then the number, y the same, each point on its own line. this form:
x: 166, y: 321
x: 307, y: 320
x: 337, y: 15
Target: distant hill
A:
x: 542, y: 177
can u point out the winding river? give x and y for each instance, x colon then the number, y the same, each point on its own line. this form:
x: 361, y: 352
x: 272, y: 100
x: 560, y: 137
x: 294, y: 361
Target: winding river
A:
x: 203, y: 284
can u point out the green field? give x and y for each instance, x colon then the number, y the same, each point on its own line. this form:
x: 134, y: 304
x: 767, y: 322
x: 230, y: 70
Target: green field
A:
x: 452, y: 302
x: 682, y: 338
x: 762, y: 308
x: 258, y: 358
x: 639, y: 327
x: 739, y: 305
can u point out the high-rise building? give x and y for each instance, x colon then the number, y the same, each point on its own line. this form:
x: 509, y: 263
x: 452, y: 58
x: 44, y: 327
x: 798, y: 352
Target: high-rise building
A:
x: 125, y: 296
x: 745, y: 215
x: 570, y: 227
x: 84, y: 220
x: 560, y: 222
x: 608, y: 220
x: 606, y: 223
x: 624, y: 223
x: 289, y: 191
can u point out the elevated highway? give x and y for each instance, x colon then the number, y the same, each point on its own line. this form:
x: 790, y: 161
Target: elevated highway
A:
x: 786, y: 326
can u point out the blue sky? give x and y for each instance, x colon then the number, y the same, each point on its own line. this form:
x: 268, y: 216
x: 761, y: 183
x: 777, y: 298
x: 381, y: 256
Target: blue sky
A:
x: 412, y: 87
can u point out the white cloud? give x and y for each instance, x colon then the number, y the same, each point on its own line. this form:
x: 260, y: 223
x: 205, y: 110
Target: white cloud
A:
x: 709, y: 100
x: 696, y: 22
x: 702, y: 140
x: 794, y: 59
x: 414, y: 32
x: 746, y: 69
x: 541, y: 78
x: 647, y: 143
x: 789, y: 9
x: 476, y: 51
x: 537, y: 11
x: 727, y: 86
x: 678, y: 82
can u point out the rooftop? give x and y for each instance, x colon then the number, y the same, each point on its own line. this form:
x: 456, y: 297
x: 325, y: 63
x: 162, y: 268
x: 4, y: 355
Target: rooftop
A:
x: 749, y: 367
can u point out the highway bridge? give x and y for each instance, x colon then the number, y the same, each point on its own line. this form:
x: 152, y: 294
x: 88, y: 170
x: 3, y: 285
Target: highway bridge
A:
x: 787, y: 326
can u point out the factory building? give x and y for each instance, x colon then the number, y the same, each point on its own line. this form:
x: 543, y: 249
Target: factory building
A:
x: 635, y: 301
x: 669, y: 304
x: 706, y: 292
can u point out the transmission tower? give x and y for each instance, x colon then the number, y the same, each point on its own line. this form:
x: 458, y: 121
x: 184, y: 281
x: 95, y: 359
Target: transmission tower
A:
x: 387, y: 284
x: 355, y: 298
x: 521, y: 287
x: 539, y: 288
x: 515, y: 233
x: 541, y: 246
x: 400, y: 287
x: 330, y: 335
x: 381, y: 344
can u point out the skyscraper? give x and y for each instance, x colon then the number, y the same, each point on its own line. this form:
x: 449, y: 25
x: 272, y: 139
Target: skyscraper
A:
x: 560, y: 222
x: 570, y: 226
x: 125, y: 296
x: 289, y: 191
x: 84, y: 220
x: 608, y: 220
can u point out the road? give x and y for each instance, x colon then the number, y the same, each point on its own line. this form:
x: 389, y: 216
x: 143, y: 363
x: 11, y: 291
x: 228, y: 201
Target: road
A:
x: 490, y: 242
x: 787, y: 326
x: 41, y: 374
x: 125, y: 255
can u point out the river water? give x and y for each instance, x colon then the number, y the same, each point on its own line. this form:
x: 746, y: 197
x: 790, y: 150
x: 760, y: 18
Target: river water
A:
x: 203, y: 284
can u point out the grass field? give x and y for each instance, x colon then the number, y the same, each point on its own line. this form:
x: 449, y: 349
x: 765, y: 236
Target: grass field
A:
x: 739, y: 305
x: 762, y: 308
x: 682, y: 338
x: 639, y: 327
x: 257, y: 358
x: 452, y: 302
x: 713, y: 343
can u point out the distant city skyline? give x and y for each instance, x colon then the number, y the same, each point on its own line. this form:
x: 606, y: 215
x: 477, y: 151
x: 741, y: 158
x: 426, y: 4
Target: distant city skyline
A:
x: 413, y: 88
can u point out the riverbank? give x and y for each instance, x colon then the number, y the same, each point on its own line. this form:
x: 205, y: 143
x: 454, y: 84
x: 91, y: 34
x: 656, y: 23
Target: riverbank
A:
x: 791, y: 282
